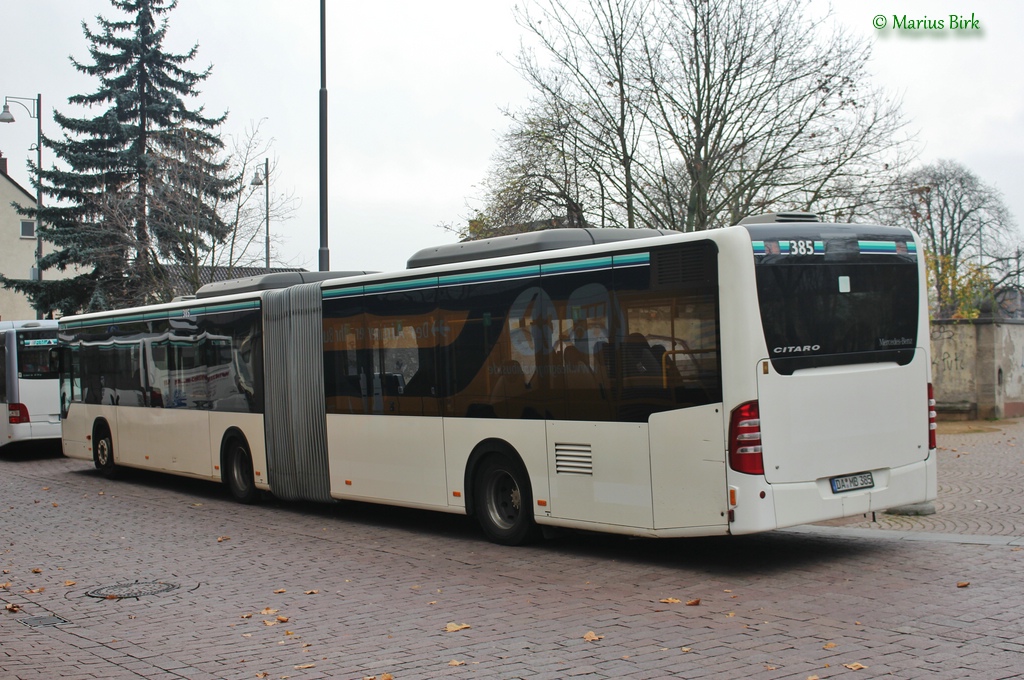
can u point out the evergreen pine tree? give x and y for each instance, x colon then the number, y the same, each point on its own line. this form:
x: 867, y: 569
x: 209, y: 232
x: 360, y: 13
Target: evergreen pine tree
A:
x: 140, y: 181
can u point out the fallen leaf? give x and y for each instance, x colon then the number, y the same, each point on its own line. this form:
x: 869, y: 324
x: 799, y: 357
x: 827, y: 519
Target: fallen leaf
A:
x: 37, y: 571
x: 693, y: 603
x: 855, y: 666
x: 829, y: 645
x: 5, y: 586
x: 279, y: 591
x: 453, y: 662
x: 432, y: 602
x: 387, y: 676
x: 11, y: 607
x: 221, y: 539
x: 268, y: 611
x: 592, y: 637
x: 770, y: 668
x: 963, y: 584
x: 246, y: 635
x: 46, y: 488
x: 311, y: 592
x: 55, y: 505
x: 269, y: 623
x: 69, y: 583
x: 246, y: 616
x: 686, y: 650
x: 33, y: 591
x: 731, y: 614
x: 813, y: 677
x: 262, y: 675
x: 452, y: 627
x: 282, y: 619
x: 670, y: 600
x: 305, y: 665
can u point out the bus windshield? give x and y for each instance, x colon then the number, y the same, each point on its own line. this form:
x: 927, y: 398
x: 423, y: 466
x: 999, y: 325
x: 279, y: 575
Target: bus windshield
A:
x: 834, y: 301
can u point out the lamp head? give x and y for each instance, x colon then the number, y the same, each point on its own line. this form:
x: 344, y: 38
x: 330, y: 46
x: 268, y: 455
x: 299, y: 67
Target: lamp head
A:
x: 6, y: 116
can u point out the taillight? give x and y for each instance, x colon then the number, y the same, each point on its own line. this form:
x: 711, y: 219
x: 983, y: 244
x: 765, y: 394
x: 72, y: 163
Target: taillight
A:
x: 745, y: 439
x: 17, y: 413
x: 931, y: 417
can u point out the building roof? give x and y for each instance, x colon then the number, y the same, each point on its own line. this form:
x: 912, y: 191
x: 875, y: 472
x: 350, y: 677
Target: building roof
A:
x: 5, y: 176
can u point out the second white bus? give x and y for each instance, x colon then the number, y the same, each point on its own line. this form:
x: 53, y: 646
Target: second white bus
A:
x: 29, y: 386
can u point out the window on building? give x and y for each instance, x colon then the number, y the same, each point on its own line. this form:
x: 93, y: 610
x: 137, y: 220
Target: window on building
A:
x: 28, y: 229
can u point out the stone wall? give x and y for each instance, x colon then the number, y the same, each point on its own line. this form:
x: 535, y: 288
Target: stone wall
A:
x: 978, y: 368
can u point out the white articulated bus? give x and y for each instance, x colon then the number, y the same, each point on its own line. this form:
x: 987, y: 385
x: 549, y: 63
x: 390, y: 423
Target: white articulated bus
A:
x: 29, y: 381
x: 628, y: 381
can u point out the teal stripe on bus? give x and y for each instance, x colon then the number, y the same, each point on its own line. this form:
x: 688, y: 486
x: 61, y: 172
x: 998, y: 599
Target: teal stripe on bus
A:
x: 886, y: 247
x: 572, y: 266
x: 343, y: 292
x: 397, y: 286
x: 490, y: 275
x: 631, y: 259
x: 164, y: 314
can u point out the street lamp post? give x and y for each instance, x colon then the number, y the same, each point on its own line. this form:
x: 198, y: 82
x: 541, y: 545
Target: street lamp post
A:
x: 324, y: 253
x: 265, y: 181
x: 35, y: 111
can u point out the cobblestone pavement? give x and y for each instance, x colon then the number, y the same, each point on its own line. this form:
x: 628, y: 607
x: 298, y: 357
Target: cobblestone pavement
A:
x: 212, y: 589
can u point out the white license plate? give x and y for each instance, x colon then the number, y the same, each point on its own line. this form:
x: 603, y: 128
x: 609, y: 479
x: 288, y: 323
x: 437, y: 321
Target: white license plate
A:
x: 863, y: 480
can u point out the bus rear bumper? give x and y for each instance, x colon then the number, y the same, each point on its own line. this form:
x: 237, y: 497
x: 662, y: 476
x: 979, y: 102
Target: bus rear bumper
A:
x: 20, y: 432
x: 814, y: 501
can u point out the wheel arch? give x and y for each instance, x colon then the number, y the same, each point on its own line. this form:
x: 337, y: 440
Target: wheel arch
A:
x: 100, y: 425
x: 231, y: 434
x: 480, y: 452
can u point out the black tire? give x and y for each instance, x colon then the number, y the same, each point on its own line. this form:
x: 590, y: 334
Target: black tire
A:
x: 103, y: 454
x: 238, y: 473
x: 504, y: 501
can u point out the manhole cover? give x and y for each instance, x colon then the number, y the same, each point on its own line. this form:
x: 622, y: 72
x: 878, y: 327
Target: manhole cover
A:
x: 39, y: 621
x: 137, y: 589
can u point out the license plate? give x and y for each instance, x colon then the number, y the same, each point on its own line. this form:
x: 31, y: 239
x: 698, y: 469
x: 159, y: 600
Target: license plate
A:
x: 863, y: 480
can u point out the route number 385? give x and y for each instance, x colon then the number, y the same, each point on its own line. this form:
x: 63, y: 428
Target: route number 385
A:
x: 801, y: 247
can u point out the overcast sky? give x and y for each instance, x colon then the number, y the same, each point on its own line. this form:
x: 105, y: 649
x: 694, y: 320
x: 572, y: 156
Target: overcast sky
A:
x: 416, y: 91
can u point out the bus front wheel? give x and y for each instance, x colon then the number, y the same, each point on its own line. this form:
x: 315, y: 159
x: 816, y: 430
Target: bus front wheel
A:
x: 103, y: 454
x: 240, y: 478
x: 504, y: 502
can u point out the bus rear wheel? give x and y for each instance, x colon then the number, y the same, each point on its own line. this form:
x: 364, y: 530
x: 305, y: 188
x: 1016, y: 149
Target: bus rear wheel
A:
x: 504, y: 502
x: 103, y: 454
x: 239, y: 471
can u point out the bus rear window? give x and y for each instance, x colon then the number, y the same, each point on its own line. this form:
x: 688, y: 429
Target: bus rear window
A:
x: 36, y: 355
x: 826, y: 313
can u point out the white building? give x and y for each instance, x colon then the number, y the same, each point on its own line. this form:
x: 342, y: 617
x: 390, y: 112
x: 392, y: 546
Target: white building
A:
x: 17, y: 245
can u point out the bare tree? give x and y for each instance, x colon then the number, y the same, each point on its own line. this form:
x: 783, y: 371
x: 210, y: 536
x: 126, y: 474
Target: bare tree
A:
x: 246, y: 212
x: 972, y: 241
x: 693, y: 114
x: 585, y: 87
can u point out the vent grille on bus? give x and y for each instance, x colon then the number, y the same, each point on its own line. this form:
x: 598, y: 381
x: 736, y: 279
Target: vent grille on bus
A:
x: 690, y: 266
x: 780, y: 217
x: 574, y: 459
